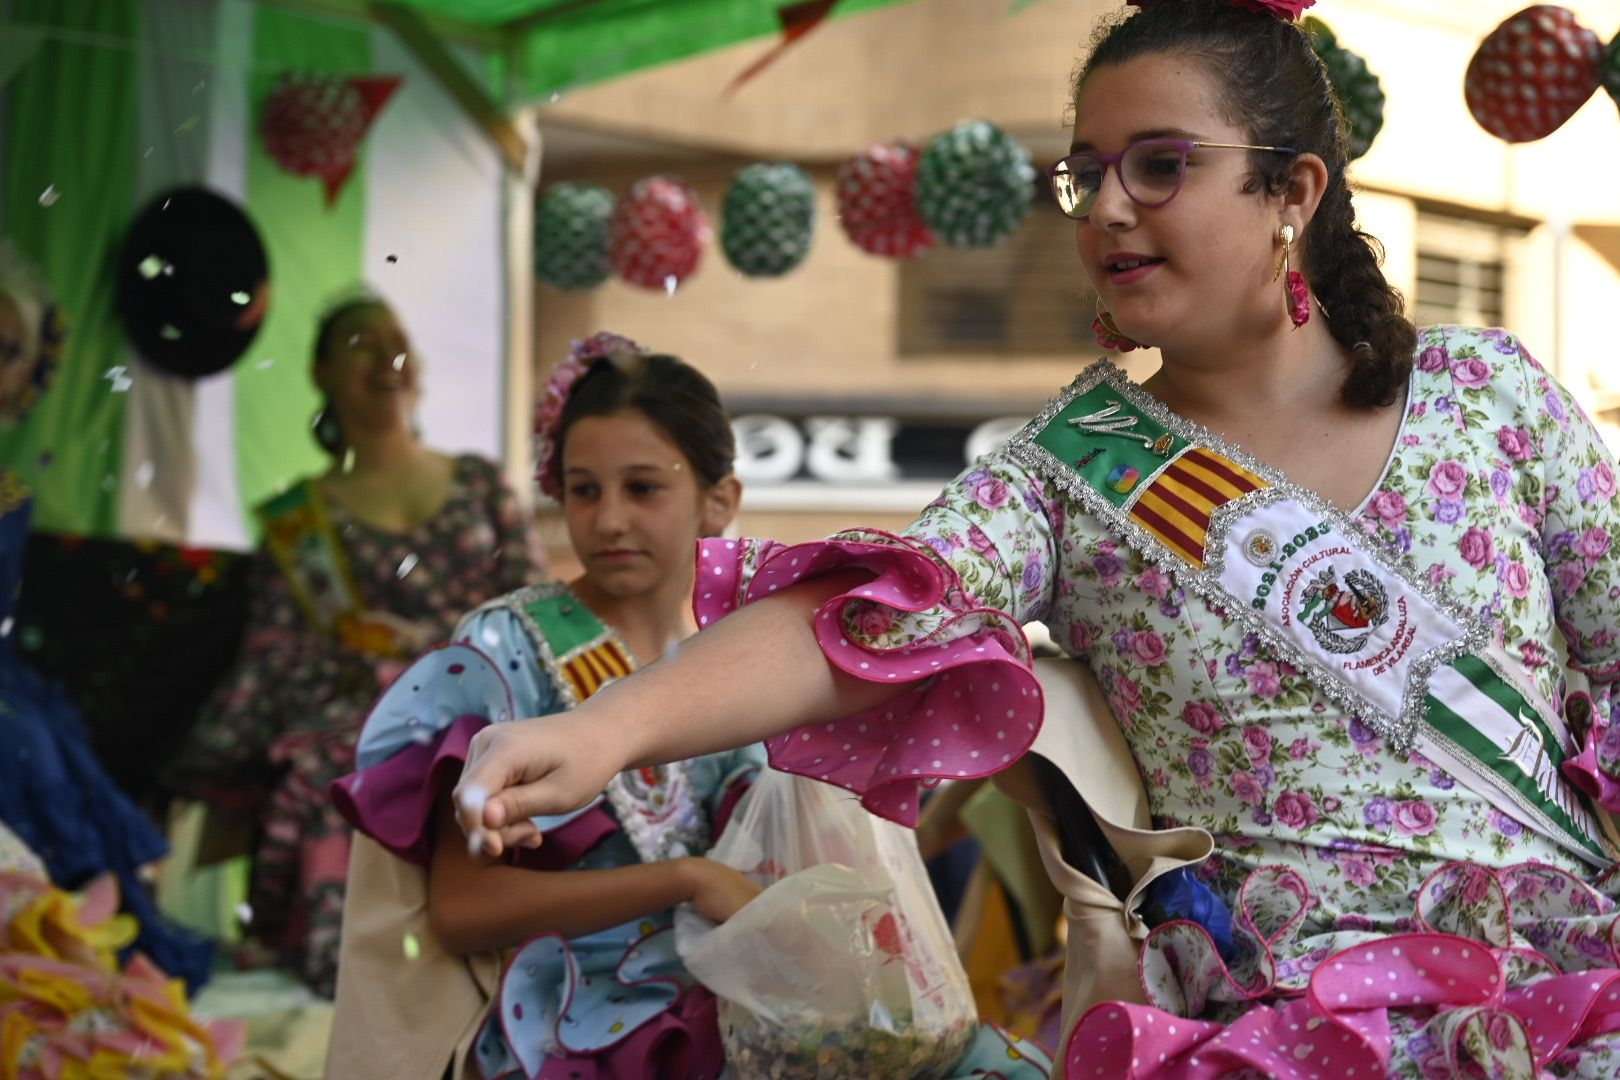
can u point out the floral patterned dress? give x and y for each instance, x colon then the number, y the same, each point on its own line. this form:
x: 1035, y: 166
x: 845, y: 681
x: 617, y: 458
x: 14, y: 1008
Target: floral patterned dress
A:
x: 1392, y: 922
x: 282, y: 724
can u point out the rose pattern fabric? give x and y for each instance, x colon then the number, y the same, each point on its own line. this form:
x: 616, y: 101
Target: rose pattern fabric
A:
x: 1499, y: 489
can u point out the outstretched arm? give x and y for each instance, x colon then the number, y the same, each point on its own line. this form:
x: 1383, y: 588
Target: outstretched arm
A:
x: 754, y: 674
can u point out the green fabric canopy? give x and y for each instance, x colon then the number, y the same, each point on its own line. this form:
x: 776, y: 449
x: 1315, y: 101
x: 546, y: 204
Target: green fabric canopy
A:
x: 558, y: 45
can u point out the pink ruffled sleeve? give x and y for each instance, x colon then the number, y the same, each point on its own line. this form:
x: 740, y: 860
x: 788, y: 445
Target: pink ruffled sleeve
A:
x: 968, y: 704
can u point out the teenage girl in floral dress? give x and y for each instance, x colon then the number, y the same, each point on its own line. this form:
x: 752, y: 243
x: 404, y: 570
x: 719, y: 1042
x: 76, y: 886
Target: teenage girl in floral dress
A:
x: 1403, y: 773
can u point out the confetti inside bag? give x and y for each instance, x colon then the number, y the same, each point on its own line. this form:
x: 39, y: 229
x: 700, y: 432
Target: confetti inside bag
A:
x: 844, y: 966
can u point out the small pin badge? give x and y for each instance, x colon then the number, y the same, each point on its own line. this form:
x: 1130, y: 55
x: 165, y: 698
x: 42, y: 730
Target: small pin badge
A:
x: 1113, y: 420
x: 1259, y: 547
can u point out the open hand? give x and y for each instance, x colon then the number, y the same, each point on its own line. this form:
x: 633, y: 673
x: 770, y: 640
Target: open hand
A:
x: 540, y: 766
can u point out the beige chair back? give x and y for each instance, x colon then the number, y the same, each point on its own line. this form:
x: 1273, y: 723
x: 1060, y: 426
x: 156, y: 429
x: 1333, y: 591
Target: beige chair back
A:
x: 1081, y: 738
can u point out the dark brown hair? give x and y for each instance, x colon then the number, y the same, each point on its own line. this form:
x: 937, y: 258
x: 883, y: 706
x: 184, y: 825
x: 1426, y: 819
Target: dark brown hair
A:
x: 1272, y: 84
x: 327, y: 326
x: 673, y: 395
x: 328, y: 433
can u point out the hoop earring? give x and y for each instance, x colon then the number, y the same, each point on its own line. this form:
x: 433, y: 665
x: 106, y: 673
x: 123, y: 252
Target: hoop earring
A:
x: 1296, y: 294
x: 1108, y: 335
x: 328, y: 434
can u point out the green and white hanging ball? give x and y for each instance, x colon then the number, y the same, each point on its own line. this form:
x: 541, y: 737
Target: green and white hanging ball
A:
x: 974, y: 185
x: 571, y: 236
x: 1360, y: 94
x: 767, y: 219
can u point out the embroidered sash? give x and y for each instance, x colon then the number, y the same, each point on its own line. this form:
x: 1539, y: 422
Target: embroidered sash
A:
x: 299, y: 535
x: 655, y: 805
x: 1375, y: 636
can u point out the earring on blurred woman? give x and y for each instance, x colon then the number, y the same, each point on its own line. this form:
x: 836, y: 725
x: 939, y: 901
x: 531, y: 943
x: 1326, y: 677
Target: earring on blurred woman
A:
x: 1296, y: 294
x: 1108, y: 335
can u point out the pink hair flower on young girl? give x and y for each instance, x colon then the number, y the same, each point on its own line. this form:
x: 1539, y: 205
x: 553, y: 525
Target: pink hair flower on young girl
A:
x: 548, y: 411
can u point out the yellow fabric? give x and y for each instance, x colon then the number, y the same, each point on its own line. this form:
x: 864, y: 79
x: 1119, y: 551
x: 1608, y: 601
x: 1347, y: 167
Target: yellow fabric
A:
x: 62, y: 992
x: 989, y: 947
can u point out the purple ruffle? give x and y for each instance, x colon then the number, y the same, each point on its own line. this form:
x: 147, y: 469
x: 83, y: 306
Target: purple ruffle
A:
x: 395, y: 801
x: 680, y: 1043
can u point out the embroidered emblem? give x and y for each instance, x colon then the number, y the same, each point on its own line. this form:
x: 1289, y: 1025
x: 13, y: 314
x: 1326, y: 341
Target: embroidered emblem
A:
x: 1260, y: 547
x: 1123, y: 478
x: 1111, y: 420
x: 1343, y: 616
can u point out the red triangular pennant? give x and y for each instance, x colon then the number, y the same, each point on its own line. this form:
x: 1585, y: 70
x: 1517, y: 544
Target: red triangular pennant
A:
x: 374, y: 91
x: 797, y: 21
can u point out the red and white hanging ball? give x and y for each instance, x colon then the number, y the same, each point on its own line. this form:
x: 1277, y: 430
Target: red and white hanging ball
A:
x: 657, y: 234
x: 311, y: 124
x: 1532, y: 73
x: 877, y: 204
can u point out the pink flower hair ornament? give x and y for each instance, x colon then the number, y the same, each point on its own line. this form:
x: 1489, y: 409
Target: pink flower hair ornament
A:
x: 1286, y: 10
x: 554, y: 398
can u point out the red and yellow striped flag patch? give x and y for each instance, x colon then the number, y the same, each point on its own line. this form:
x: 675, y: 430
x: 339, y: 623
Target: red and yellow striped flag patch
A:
x: 590, y: 670
x: 1177, y: 506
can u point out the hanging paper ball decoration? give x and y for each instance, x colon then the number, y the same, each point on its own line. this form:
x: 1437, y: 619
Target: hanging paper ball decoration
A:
x: 877, y: 204
x: 1611, y: 69
x: 767, y: 219
x: 1360, y: 95
x: 657, y: 233
x: 571, y: 236
x: 312, y: 124
x: 193, y: 283
x: 974, y: 185
x: 1532, y: 73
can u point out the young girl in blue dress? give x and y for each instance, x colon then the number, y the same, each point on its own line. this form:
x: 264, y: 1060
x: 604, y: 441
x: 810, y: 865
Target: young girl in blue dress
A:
x: 638, y: 451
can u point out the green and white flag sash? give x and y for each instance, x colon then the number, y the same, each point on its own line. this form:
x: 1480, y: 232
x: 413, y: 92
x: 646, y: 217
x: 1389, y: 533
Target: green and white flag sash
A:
x: 1373, y: 634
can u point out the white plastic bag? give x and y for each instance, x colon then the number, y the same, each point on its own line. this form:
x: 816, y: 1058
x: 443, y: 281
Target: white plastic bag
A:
x: 844, y: 965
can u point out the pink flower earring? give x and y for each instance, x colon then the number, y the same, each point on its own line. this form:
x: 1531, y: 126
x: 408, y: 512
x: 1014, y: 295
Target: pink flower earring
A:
x: 1108, y: 335
x: 1296, y: 294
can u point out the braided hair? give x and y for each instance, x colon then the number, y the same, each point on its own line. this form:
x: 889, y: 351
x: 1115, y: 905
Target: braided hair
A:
x: 1270, y: 81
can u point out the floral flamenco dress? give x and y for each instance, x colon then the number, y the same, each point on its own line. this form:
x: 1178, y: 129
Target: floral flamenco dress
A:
x: 607, y: 1004
x: 282, y: 723
x: 1398, y: 723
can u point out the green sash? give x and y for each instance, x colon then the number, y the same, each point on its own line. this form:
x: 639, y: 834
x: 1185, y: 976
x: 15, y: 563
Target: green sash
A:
x: 299, y: 535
